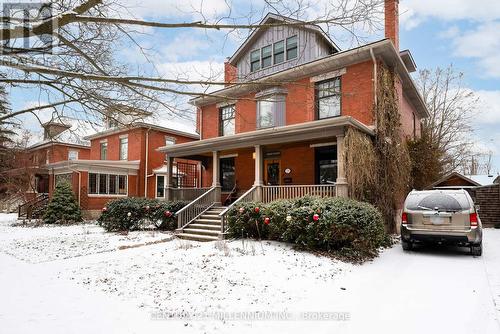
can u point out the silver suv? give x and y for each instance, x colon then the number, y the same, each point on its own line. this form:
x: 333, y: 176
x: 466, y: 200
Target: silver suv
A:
x: 441, y: 216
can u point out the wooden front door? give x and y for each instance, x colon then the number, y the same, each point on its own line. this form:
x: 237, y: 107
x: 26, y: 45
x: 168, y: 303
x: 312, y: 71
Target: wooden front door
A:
x: 272, y: 172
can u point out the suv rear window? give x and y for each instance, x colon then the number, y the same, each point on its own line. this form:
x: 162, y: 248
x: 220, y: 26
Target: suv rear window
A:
x: 443, y: 202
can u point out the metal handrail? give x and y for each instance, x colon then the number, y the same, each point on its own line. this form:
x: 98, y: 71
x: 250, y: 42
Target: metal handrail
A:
x: 242, y: 199
x: 188, y: 213
x: 32, y: 204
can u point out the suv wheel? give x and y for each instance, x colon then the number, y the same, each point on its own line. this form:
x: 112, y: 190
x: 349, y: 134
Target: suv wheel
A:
x: 477, y: 250
x: 407, y: 246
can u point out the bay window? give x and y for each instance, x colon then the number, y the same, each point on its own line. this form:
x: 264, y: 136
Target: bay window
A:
x: 107, y: 184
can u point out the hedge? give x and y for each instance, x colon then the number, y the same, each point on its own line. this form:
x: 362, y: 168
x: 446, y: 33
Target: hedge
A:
x: 136, y: 213
x: 337, y: 225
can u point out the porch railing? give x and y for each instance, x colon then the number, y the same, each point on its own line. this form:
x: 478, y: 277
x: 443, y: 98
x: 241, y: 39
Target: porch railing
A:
x: 249, y: 196
x: 191, y: 211
x: 273, y: 193
x: 185, y: 194
x: 33, y: 208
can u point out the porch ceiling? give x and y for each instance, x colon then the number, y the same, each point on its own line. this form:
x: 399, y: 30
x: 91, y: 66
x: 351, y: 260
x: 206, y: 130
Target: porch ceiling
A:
x: 327, y: 128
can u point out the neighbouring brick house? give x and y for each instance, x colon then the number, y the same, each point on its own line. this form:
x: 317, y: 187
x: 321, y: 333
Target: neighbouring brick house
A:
x: 281, y: 135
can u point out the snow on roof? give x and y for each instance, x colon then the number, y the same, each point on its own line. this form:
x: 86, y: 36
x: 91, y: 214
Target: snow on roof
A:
x: 483, y: 180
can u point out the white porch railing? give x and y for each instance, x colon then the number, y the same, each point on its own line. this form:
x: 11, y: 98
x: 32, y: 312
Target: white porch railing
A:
x: 184, y: 194
x: 191, y: 211
x: 249, y: 196
x: 273, y: 193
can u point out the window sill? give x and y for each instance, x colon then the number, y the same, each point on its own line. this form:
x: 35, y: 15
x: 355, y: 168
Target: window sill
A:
x: 106, y: 195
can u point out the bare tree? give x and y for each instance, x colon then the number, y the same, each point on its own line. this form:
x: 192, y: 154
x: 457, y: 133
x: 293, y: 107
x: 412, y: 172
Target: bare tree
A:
x: 452, y: 107
x: 78, y: 71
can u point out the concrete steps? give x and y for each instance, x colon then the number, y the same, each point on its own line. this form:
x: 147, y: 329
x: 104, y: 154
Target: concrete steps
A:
x: 205, y: 228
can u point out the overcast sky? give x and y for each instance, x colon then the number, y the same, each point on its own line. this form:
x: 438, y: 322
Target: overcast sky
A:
x: 462, y: 32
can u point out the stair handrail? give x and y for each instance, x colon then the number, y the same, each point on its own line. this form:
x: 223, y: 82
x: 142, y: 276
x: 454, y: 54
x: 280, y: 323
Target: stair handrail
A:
x: 248, y: 196
x: 188, y: 213
x: 32, y: 203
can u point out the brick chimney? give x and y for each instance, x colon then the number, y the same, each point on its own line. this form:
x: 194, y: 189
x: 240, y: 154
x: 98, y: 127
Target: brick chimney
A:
x: 230, y: 72
x: 392, y: 21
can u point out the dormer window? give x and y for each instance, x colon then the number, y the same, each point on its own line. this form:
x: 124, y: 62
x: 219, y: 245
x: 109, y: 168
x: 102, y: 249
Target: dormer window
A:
x: 255, y: 60
x: 112, y: 123
x: 267, y: 56
x: 279, y: 52
x: 291, y: 47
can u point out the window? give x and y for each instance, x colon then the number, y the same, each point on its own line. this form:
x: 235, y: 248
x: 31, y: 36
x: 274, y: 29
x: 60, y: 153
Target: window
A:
x: 326, y: 165
x: 279, y: 52
x: 104, y: 150
x: 112, y: 123
x: 267, y: 56
x: 291, y: 47
x: 328, y: 98
x: 103, y: 183
x: 59, y: 178
x: 107, y: 184
x: 72, y: 155
x: 124, y: 148
x: 227, y: 173
x: 271, y: 111
x: 227, y: 118
x: 170, y: 140
x: 255, y: 60
x: 160, y: 186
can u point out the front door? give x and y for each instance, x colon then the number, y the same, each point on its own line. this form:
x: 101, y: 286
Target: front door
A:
x: 272, y: 172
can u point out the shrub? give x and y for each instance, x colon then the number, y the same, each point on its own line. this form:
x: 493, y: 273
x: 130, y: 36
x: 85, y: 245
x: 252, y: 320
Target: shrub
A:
x: 63, y: 207
x: 343, y: 226
x: 135, y: 213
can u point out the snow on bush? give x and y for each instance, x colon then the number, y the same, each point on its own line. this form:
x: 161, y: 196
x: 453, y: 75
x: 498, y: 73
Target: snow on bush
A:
x: 129, y: 214
x: 339, y: 225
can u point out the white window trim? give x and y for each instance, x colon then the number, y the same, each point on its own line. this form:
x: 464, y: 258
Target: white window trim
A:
x: 69, y: 152
x: 323, y: 144
x: 97, y: 185
x: 156, y: 185
x: 120, y: 148
x: 329, y: 75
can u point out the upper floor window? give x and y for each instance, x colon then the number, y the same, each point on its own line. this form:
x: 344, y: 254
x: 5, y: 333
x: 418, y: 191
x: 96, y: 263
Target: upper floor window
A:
x: 267, y: 56
x: 170, y: 140
x: 104, y: 150
x: 111, y: 123
x: 124, y: 148
x: 227, y: 118
x: 72, y: 155
x: 271, y: 111
x: 328, y: 96
x: 279, y: 52
x: 255, y: 60
x: 291, y: 47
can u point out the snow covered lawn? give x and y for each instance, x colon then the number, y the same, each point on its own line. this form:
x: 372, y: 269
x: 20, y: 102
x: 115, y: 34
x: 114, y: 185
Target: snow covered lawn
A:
x: 94, y: 286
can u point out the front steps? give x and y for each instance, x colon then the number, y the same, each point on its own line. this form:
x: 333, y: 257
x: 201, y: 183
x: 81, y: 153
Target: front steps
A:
x: 204, y: 228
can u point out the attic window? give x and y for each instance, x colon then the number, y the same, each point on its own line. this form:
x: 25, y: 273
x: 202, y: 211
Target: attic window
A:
x: 255, y: 60
x: 279, y: 52
x: 267, y: 56
x: 291, y: 47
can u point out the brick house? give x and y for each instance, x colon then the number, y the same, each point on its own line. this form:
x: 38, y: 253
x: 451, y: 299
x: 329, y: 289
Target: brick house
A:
x: 281, y: 135
x: 123, y: 161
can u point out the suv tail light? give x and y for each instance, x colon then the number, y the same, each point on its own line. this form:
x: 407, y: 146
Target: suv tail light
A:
x: 404, y: 218
x: 473, y: 219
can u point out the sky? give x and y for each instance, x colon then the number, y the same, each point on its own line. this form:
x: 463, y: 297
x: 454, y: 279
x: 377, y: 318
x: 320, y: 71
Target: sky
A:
x: 464, y: 33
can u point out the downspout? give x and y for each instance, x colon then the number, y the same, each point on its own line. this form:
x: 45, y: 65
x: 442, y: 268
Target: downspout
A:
x: 146, y: 165
x: 375, y: 84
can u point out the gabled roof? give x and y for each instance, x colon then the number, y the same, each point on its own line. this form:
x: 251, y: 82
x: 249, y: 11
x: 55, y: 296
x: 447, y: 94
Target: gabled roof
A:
x: 271, y: 18
x: 384, y: 49
x: 455, y: 174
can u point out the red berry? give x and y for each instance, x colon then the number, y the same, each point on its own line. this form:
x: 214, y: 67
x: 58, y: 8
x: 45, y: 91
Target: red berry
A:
x: 267, y: 220
x: 104, y: 209
x: 257, y: 209
x: 168, y: 214
x: 242, y: 210
x: 316, y: 217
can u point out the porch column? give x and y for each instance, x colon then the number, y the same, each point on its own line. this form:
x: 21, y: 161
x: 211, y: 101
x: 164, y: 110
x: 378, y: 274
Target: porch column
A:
x: 259, y: 181
x: 216, y: 175
x: 168, y: 178
x: 341, y: 182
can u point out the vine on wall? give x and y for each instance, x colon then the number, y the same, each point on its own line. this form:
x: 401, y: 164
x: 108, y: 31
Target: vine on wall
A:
x: 378, y: 169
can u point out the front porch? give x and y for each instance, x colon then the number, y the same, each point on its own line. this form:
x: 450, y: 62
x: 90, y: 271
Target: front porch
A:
x: 262, y: 166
